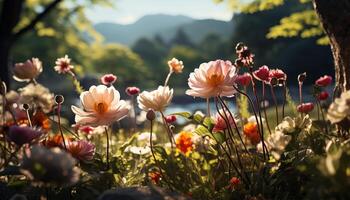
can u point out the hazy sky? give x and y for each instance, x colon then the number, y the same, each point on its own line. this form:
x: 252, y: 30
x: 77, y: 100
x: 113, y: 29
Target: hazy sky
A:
x: 128, y: 11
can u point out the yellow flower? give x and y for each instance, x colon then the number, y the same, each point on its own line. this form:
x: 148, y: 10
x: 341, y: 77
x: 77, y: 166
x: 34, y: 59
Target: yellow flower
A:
x: 184, y: 142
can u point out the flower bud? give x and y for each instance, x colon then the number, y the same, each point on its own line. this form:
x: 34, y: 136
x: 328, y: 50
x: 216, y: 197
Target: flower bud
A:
x: 108, y: 79
x: 132, y: 91
x: 302, y: 77
x: 59, y: 99
x: 25, y: 106
x: 323, y: 95
x: 170, y: 119
x: 151, y: 115
x: 305, y: 107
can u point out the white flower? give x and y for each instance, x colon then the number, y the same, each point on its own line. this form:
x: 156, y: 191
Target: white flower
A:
x: 340, y: 108
x: 275, y: 143
x: 212, y: 79
x: 145, y: 136
x: 63, y: 65
x: 38, y: 95
x: 252, y: 119
x: 28, y: 70
x: 138, y: 150
x: 157, y: 100
x: 286, y: 126
x: 101, y: 106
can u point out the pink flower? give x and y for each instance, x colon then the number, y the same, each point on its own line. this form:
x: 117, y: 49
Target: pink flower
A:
x: 132, y: 91
x: 81, y: 150
x: 63, y: 65
x: 244, y: 79
x: 323, y: 95
x: 262, y: 74
x: 170, y: 119
x: 28, y: 70
x: 324, y: 81
x: 212, y: 79
x: 305, y: 107
x: 21, y: 135
x: 108, y: 79
x: 175, y: 65
x: 86, y: 129
x: 220, y: 124
x: 278, y: 74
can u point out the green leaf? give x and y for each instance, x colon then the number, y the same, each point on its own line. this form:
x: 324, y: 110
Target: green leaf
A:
x: 198, y: 118
x: 209, y: 122
x: 202, y: 130
x: 186, y: 115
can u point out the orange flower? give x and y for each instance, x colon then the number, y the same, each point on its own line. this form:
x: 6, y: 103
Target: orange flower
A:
x: 55, y: 141
x: 184, y: 142
x: 40, y: 119
x: 155, y: 177
x: 251, y: 132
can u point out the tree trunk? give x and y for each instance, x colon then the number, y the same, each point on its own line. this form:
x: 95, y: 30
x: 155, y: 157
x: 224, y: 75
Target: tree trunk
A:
x: 5, y: 47
x: 335, y: 19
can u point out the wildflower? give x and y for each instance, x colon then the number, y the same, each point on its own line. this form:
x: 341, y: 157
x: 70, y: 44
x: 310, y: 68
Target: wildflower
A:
x: 324, y: 81
x: 305, y: 107
x: 131, y: 91
x: 244, y: 79
x: 184, y: 142
x: 52, y: 167
x: 170, y: 119
x: 155, y: 177
x: 108, y: 79
x: 28, y: 70
x: 36, y: 94
x: 275, y: 143
x: 234, y: 183
x: 323, y: 96
x: 156, y: 100
x: 86, y: 129
x: 138, y: 150
x: 81, y: 150
x: 277, y: 74
x: 262, y: 74
x: 175, y: 65
x: 212, y: 79
x: 101, y: 106
x: 339, y: 110
x: 63, y: 65
x: 251, y: 131
x: 21, y: 135
x: 220, y: 122
x: 245, y: 57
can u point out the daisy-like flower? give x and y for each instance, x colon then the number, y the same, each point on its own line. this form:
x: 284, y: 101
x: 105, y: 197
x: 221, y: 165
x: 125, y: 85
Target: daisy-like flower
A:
x: 184, y: 142
x: 101, y: 106
x: 175, y: 65
x: 38, y: 95
x: 251, y: 131
x: 81, y: 150
x: 63, y: 65
x: 21, y: 135
x: 108, y: 79
x: 156, y: 100
x: 28, y: 70
x: 51, y: 167
x: 339, y: 110
x: 215, y: 78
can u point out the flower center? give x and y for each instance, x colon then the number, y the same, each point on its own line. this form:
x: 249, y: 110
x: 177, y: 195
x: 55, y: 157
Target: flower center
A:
x: 215, y: 80
x: 101, y: 108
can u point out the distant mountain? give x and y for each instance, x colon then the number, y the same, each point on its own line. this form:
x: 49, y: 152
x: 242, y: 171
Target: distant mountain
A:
x: 164, y: 25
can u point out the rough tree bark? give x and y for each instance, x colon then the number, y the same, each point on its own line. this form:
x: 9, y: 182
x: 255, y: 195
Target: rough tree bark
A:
x: 335, y: 19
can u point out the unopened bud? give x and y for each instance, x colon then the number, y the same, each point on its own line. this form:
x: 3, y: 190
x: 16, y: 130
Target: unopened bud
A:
x: 239, y: 46
x: 302, y: 77
x: 25, y: 106
x: 59, y: 99
x: 151, y: 115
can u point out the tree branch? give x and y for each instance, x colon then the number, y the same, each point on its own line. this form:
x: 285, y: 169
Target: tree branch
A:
x: 39, y: 17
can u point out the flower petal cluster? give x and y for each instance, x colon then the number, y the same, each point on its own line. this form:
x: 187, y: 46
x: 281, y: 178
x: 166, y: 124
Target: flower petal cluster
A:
x: 28, y: 70
x: 101, y: 106
x: 215, y: 78
x: 156, y: 100
x: 38, y: 95
x: 340, y: 108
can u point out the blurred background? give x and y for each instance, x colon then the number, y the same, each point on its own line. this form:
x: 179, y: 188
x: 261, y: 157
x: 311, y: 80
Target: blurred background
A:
x: 134, y: 39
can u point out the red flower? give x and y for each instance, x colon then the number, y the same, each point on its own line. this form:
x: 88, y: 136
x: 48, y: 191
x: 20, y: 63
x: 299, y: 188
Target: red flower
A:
x: 305, y: 107
x: 244, y: 79
x: 86, y: 129
x: 170, y: 119
x: 262, y: 74
x: 234, y: 182
x: 278, y: 74
x: 108, y: 79
x: 323, y: 96
x: 324, y: 81
x: 132, y: 91
x: 155, y: 177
